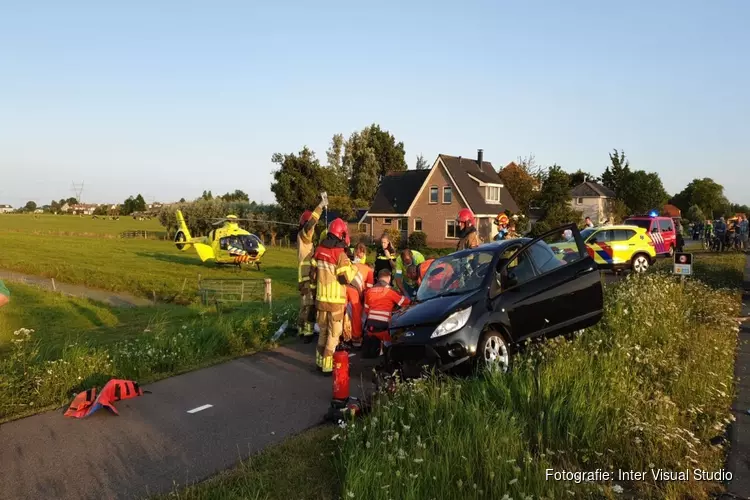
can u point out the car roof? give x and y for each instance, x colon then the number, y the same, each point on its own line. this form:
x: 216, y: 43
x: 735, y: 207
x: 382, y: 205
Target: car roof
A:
x: 491, y: 246
x: 621, y: 226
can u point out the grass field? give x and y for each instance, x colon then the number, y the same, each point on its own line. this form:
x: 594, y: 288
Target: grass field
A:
x: 74, y: 225
x: 142, y: 267
x: 651, y: 386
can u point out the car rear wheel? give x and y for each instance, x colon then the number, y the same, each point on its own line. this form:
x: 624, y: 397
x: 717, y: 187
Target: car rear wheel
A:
x: 493, y: 352
x: 640, y: 263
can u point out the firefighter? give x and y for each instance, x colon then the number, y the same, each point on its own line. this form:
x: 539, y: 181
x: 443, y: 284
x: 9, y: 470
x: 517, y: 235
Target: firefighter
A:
x: 416, y: 273
x: 380, y: 300
x: 305, y: 248
x: 355, y: 293
x: 501, y: 221
x: 467, y: 231
x: 332, y: 271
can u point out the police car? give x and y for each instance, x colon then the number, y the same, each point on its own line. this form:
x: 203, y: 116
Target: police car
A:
x: 614, y: 247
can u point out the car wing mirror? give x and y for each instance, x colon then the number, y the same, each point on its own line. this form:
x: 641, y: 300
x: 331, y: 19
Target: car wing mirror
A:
x: 508, y: 279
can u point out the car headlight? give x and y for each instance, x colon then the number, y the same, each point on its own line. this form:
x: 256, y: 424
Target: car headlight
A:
x: 452, y: 323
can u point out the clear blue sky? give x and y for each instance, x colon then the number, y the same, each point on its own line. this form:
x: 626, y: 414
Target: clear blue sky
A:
x: 168, y: 98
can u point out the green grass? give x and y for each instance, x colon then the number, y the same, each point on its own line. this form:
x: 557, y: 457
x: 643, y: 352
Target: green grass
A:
x: 650, y: 386
x: 717, y: 269
x: 141, y: 267
x: 47, y: 224
x: 301, y: 467
x: 53, y: 346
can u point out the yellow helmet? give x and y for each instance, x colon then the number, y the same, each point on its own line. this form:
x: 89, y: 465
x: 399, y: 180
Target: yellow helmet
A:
x: 501, y: 219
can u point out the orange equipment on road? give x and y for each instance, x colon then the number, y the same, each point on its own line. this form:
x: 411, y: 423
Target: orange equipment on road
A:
x: 87, y: 402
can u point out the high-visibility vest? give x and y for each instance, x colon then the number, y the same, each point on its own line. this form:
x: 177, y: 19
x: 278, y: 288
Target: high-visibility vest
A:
x: 380, y: 301
x: 330, y: 264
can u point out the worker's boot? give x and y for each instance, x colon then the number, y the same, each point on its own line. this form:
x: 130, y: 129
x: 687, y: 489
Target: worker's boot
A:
x: 318, y: 359
x: 327, y: 366
x: 307, y: 333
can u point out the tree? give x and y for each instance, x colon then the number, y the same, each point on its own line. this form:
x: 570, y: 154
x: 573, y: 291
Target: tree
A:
x: 695, y: 214
x: 520, y: 182
x: 30, y: 206
x: 422, y: 163
x: 207, y: 195
x: 740, y: 209
x: 705, y: 193
x: 182, y: 200
x: 643, y: 192
x: 131, y: 205
x: 579, y: 177
x: 337, y: 173
x: 554, y: 199
x: 360, y: 157
x: 615, y: 177
x: 389, y: 154
x: 238, y: 195
x: 297, y: 182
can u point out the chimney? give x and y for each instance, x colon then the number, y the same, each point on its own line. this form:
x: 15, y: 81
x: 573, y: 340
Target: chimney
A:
x: 480, y: 156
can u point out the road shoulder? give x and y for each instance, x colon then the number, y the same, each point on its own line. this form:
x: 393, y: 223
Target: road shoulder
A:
x: 739, y: 454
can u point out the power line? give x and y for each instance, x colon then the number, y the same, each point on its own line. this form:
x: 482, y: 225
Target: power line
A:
x: 78, y: 191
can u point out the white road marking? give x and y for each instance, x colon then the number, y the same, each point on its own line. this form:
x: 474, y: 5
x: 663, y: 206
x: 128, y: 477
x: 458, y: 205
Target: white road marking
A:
x: 200, y: 408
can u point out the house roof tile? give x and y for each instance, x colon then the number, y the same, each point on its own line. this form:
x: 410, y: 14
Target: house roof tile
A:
x: 460, y: 169
x: 397, y: 191
x: 591, y: 189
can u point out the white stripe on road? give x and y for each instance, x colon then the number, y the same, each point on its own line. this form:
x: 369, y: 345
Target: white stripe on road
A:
x: 200, y: 408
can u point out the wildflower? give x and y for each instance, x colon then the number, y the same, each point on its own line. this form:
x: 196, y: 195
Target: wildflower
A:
x: 617, y: 488
x: 513, y: 481
x: 460, y: 484
x: 418, y: 460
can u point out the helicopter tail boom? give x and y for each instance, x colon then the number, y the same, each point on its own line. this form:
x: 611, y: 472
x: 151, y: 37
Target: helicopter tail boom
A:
x: 182, y: 238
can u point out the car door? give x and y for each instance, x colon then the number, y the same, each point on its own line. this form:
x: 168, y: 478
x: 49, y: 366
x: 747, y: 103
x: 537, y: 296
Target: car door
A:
x: 600, y: 248
x: 668, y: 234
x: 656, y: 237
x: 621, y: 245
x: 558, y: 296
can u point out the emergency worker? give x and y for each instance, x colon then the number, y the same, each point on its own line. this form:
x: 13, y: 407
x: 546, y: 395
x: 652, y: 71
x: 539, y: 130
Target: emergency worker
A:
x: 501, y: 221
x: 385, y: 257
x: 467, y: 232
x: 380, y: 301
x: 360, y: 254
x: 417, y: 273
x: 355, y: 298
x: 404, y: 284
x: 305, y: 250
x: 332, y: 271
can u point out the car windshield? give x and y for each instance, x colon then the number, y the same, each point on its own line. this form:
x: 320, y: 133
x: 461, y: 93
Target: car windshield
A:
x: 588, y: 232
x: 455, y: 275
x: 644, y: 223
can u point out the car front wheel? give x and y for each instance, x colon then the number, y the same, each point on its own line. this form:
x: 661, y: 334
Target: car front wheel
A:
x: 493, y: 352
x: 640, y: 263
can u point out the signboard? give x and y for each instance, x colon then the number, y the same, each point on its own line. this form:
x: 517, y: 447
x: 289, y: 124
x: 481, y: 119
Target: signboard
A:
x: 683, y: 263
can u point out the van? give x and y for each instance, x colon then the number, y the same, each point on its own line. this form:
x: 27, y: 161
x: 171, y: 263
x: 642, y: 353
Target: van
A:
x: 661, y: 229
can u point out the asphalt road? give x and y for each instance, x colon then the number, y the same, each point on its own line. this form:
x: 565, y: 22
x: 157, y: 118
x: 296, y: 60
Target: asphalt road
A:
x: 154, y: 443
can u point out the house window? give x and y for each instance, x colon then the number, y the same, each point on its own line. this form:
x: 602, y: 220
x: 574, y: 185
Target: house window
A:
x: 433, y: 194
x: 451, y: 229
x: 403, y: 224
x: 493, y: 194
x: 447, y: 195
x: 417, y: 224
x: 387, y: 222
x: 362, y: 227
x: 579, y: 201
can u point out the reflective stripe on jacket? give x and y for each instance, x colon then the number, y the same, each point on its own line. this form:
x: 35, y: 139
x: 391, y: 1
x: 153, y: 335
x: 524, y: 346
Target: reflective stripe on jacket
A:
x: 364, y: 278
x: 332, y: 263
x: 380, y: 301
x: 305, y: 246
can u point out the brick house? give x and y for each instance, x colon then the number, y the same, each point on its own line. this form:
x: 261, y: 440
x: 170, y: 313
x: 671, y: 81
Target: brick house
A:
x: 594, y: 200
x: 429, y: 200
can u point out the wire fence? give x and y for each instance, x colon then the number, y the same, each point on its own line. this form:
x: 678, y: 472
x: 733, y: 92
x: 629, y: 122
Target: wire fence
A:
x: 219, y: 291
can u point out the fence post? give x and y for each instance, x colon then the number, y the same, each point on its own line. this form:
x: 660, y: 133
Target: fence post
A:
x: 268, y: 295
x: 54, y: 288
x: 184, y: 282
x: 242, y: 292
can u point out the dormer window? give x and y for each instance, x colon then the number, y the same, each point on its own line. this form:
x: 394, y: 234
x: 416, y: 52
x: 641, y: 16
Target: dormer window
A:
x: 492, y: 194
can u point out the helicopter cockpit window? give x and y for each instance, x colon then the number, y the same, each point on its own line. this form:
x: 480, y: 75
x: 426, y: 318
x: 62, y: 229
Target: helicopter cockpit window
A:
x: 250, y: 241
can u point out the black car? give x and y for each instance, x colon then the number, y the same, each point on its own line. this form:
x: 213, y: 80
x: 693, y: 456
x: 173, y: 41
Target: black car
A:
x: 476, y: 305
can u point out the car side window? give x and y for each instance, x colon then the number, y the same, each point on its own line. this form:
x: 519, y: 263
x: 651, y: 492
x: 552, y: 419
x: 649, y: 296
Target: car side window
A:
x: 623, y: 234
x: 666, y: 225
x: 655, y: 227
x: 520, y: 270
x: 601, y: 237
x: 544, y: 258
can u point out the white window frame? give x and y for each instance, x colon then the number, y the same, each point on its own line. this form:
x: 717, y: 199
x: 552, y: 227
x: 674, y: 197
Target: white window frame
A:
x: 447, y: 189
x: 418, y: 219
x: 447, y: 225
x: 402, y: 220
x: 437, y: 197
x: 579, y: 201
x: 488, y: 197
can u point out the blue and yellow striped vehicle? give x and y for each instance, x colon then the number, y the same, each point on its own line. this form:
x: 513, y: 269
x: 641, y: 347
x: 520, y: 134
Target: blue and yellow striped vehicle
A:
x: 614, y: 247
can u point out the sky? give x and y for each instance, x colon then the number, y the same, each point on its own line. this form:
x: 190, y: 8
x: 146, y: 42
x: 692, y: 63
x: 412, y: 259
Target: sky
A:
x: 168, y: 98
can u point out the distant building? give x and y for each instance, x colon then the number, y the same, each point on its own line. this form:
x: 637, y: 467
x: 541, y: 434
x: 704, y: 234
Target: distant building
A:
x: 594, y: 200
x: 39, y: 211
x: 5, y: 209
x: 83, y: 208
x: 671, y: 211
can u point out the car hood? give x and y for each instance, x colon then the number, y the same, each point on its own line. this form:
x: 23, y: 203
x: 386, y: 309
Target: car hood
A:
x: 433, y: 311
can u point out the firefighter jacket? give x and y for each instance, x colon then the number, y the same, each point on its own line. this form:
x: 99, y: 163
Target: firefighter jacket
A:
x: 470, y: 239
x: 363, y: 280
x: 422, y: 270
x: 305, y: 246
x: 383, y: 262
x: 379, y: 303
x: 333, y: 271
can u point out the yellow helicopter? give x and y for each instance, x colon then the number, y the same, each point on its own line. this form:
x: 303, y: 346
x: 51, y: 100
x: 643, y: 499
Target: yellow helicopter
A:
x: 228, y: 244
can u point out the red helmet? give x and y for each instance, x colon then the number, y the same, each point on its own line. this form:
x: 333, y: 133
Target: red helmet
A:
x: 338, y: 229
x: 465, y: 215
x: 305, y: 217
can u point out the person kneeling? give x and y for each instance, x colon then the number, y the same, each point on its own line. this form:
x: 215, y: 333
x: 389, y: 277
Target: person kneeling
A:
x: 380, y: 301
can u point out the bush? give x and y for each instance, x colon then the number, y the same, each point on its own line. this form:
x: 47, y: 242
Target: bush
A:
x: 640, y: 390
x: 418, y: 240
